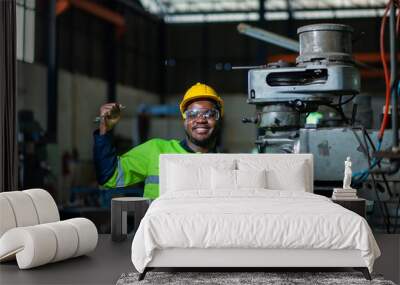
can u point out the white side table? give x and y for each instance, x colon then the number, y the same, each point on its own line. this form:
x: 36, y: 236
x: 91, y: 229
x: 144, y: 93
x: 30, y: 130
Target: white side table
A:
x: 119, y: 212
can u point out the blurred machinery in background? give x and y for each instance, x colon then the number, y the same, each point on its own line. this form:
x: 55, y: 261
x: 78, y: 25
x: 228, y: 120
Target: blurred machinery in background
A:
x: 34, y: 170
x: 146, y: 112
x: 299, y: 109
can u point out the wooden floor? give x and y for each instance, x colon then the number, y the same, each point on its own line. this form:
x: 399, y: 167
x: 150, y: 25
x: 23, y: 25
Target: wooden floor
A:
x: 110, y: 260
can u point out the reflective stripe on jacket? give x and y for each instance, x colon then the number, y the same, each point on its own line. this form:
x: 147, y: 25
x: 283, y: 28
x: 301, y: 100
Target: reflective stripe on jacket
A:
x: 139, y: 164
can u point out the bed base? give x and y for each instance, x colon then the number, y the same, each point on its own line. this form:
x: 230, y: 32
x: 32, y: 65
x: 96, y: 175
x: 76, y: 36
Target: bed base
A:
x: 363, y: 270
x: 237, y: 259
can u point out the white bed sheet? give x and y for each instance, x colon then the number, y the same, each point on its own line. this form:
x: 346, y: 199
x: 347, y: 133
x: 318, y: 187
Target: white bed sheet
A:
x: 253, y: 218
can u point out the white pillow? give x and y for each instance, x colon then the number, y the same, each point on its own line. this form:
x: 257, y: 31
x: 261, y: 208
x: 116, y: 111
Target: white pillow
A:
x: 225, y: 179
x: 282, y: 174
x: 187, y: 176
x: 294, y: 179
x: 183, y: 177
x: 251, y: 178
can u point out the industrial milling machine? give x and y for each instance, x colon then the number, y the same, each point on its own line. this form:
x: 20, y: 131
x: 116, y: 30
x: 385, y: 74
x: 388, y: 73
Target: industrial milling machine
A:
x: 325, y: 77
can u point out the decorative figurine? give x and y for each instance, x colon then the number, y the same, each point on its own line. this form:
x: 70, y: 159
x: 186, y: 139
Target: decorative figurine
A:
x: 345, y: 193
x: 347, y: 174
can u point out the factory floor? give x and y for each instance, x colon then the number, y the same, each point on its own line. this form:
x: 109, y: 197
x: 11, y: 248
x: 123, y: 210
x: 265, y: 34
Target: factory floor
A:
x: 110, y: 259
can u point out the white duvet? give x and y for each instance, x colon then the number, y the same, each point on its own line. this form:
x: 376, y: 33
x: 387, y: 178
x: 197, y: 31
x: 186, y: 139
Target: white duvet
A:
x: 250, y: 219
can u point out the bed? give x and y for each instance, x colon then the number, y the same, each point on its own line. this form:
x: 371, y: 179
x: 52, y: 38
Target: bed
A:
x: 246, y: 211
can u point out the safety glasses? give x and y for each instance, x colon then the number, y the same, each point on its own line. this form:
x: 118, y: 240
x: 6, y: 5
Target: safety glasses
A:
x: 203, y: 113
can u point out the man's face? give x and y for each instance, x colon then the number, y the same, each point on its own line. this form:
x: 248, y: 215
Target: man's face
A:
x: 201, y: 131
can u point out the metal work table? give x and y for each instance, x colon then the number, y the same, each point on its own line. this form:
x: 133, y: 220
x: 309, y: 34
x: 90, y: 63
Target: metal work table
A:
x: 102, y: 266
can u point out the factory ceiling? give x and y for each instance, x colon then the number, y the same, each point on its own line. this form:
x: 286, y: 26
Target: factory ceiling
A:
x: 186, y: 11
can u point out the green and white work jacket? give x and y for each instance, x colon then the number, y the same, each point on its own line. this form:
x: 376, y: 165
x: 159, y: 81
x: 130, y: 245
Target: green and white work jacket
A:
x: 139, y: 164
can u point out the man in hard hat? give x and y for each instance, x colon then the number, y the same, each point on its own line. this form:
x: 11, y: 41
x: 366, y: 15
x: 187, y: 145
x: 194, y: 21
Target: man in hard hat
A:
x: 201, y: 109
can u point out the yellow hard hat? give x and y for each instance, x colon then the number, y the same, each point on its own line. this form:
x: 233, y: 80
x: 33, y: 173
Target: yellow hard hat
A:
x: 201, y: 91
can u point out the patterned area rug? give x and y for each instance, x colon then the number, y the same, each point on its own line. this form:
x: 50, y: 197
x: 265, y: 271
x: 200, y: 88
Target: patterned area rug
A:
x: 242, y: 278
